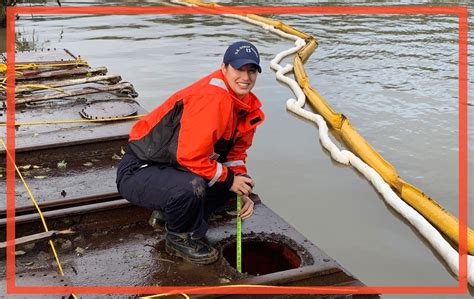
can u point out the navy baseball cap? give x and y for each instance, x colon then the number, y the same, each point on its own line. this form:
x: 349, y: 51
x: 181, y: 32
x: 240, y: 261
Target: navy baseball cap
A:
x: 241, y: 53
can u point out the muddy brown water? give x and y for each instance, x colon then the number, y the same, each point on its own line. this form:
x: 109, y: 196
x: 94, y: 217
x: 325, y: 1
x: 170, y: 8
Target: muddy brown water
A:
x: 394, y: 77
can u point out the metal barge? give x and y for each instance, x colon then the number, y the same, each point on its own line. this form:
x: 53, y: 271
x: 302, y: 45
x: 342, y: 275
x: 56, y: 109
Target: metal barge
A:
x: 101, y: 238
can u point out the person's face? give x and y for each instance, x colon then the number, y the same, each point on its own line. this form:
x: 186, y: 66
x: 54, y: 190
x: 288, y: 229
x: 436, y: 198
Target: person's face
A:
x: 241, y: 80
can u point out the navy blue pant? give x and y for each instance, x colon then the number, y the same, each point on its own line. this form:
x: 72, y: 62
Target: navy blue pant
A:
x: 183, y: 196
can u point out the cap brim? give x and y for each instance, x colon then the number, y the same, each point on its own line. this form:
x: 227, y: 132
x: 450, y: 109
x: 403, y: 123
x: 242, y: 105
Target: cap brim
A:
x: 238, y: 63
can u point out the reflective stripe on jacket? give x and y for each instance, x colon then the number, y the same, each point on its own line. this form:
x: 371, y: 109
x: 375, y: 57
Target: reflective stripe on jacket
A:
x: 203, y: 128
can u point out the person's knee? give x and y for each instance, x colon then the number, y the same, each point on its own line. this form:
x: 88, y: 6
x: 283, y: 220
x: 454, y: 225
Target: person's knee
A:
x: 182, y: 202
x: 184, y: 210
x: 190, y: 196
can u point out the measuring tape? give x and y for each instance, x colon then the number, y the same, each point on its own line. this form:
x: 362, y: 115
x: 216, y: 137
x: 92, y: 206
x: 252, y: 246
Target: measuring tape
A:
x: 239, y: 236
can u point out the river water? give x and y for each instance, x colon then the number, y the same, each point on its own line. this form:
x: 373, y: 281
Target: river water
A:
x: 394, y: 77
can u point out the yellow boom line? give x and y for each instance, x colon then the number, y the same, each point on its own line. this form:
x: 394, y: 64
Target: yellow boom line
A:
x: 444, y: 221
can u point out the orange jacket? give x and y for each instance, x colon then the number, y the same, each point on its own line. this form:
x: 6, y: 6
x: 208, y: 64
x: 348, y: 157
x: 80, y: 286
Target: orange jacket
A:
x: 203, y: 128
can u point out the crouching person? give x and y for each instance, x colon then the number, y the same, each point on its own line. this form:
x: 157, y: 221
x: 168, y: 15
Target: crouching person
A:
x: 187, y: 157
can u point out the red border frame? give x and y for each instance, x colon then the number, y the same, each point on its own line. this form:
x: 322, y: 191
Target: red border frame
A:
x: 461, y: 12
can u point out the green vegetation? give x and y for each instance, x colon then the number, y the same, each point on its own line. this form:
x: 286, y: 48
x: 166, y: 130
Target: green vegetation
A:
x: 27, y: 41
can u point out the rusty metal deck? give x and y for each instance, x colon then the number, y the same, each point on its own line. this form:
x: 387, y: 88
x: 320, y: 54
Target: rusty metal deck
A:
x: 115, y: 246
x: 70, y: 169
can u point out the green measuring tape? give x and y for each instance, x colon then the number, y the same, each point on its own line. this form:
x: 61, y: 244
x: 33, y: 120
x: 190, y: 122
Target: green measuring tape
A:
x: 239, y: 236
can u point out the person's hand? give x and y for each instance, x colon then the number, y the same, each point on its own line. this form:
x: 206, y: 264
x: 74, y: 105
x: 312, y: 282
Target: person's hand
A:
x: 247, y: 207
x: 242, y: 185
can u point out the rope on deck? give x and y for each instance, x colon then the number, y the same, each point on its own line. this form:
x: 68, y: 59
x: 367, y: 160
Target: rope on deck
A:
x: 165, y: 295
x: 35, y: 203
x: 33, y: 66
x: 71, y: 121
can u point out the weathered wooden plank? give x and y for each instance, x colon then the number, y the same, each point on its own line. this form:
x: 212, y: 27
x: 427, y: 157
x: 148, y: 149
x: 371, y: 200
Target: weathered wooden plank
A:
x: 62, y: 73
x: 37, y: 237
x: 43, y: 74
x: 72, y: 93
x: 114, y: 79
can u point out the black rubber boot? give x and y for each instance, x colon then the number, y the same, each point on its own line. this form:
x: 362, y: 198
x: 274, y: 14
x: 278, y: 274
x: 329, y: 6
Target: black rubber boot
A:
x: 193, y: 250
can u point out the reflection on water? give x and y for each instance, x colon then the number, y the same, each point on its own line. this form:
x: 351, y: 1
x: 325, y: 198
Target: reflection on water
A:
x: 395, y: 77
